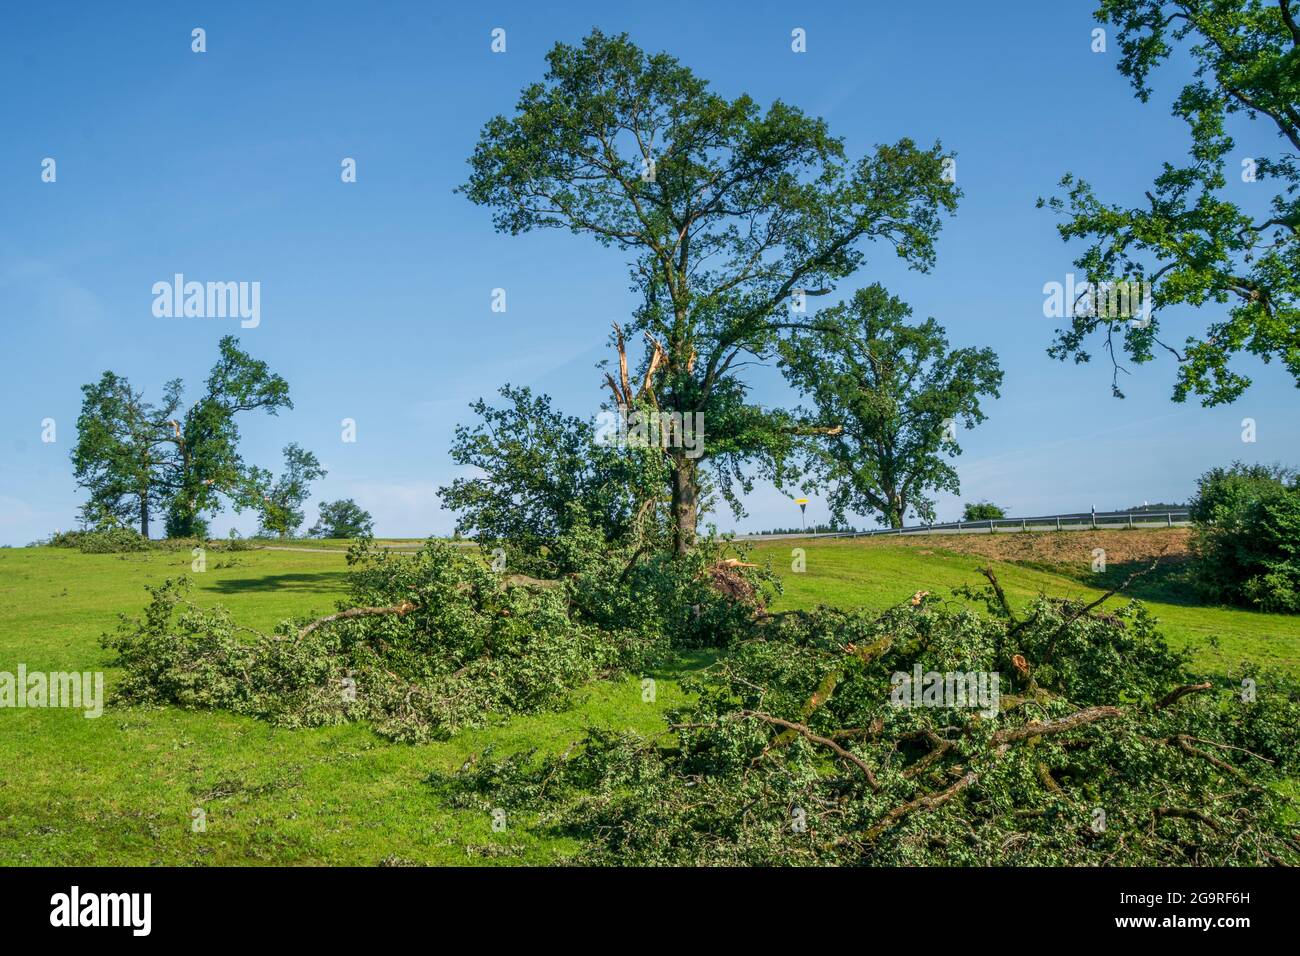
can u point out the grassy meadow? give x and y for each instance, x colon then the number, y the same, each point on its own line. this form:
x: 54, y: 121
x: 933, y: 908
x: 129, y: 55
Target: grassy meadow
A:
x: 120, y: 789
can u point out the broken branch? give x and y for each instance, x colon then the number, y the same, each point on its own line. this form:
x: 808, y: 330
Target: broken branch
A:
x: 406, y: 607
x: 807, y: 733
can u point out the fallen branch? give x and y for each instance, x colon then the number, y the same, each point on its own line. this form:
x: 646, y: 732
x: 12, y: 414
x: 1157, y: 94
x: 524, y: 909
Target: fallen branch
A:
x: 826, y: 687
x: 928, y: 802
x: 1216, y: 743
x: 1002, y: 741
x: 524, y: 581
x: 401, y: 610
x: 1047, y: 780
x: 997, y: 590
x: 1180, y: 692
x: 1089, y: 608
x: 1058, y: 726
x: 632, y: 562
x: 818, y: 739
x: 1183, y: 743
x: 1188, y: 813
x: 940, y: 749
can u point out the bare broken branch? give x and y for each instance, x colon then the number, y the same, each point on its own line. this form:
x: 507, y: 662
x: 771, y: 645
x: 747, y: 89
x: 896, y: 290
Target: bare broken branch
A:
x: 401, y: 610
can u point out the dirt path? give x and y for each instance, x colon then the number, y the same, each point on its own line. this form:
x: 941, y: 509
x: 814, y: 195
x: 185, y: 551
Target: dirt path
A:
x: 1052, y: 547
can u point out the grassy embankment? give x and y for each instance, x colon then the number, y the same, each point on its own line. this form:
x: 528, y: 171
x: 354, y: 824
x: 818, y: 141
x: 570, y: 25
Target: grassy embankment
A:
x: 120, y: 789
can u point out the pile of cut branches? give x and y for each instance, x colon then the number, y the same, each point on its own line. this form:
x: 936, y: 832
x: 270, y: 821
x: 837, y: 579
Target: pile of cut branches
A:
x: 426, y: 644
x: 835, y: 737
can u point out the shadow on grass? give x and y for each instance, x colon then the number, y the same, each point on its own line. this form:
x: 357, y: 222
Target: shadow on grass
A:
x: 684, y: 663
x: 1170, y: 583
x: 321, y: 582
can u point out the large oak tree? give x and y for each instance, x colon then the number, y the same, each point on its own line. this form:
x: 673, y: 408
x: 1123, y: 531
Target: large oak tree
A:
x: 729, y: 215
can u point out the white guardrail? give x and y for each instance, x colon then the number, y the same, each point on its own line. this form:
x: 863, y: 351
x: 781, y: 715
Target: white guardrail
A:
x: 1081, y: 521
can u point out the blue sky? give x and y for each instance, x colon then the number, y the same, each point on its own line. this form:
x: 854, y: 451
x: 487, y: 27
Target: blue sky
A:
x: 376, y: 295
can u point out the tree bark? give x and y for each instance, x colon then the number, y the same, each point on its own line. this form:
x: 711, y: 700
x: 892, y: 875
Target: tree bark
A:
x: 897, y: 507
x: 685, y: 502
x: 401, y: 610
x: 144, y: 516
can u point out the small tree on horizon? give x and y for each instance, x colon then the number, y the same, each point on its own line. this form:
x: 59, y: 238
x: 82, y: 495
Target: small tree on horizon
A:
x: 982, y: 511
x: 279, y: 501
x: 342, y: 519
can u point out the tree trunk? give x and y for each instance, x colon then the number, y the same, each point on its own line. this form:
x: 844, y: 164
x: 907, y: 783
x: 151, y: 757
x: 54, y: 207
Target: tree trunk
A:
x: 144, y: 516
x: 685, y: 502
x: 896, y: 508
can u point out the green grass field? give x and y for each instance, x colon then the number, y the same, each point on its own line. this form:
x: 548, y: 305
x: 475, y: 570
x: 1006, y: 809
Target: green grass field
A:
x: 120, y: 789
x: 857, y: 573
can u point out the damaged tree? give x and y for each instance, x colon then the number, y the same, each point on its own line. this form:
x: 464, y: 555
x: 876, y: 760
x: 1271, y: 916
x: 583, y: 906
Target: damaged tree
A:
x: 731, y: 217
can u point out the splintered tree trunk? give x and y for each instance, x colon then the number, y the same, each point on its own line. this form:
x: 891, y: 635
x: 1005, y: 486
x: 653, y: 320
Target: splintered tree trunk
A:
x: 144, y: 516
x: 897, y: 508
x: 685, y: 502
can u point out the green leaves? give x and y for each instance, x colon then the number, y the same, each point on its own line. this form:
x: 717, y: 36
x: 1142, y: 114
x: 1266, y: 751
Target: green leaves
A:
x: 342, y: 519
x: 136, y: 458
x: 726, y: 213
x: 1248, y: 536
x: 208, y: 463
x: 122, y: 447
x: 982, y: 511
x: 897, y: 394
x: 540, y: 475
x: 1086, y: 722
x: 1200, y: 238
x: 279, y: 501
x: 431, y: 643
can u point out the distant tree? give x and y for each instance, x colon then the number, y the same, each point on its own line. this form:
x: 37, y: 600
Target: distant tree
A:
x: 729, y: 216
x: 125, y: 450
x: 898, y: 393
x: 342, y: 519
x: 136, y: 458
x: 982, y: 511
x: 279, y: 500
x: 1194, y: 238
